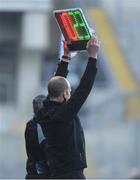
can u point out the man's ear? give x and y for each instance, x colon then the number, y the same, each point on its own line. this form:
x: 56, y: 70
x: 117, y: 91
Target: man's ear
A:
x: 65, y: 94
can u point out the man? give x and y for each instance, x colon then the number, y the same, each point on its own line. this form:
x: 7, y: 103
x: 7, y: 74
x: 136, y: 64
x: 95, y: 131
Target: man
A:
x: 37, y: 167
x: 65, y: 145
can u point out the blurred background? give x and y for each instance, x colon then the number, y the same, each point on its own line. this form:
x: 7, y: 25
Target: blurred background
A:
x: 29, y: 43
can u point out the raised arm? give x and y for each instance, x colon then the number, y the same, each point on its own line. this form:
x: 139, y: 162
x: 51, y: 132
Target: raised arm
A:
x: 73, y: 105
x: 62, y: 69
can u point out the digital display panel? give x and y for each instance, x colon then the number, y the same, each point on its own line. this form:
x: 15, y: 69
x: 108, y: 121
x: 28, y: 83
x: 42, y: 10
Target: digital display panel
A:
x: 73, y: 24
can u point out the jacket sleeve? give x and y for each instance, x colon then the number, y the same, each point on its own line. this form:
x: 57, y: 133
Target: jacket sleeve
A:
x: 73, y: 105
x: 29, y: 139
x: 62, y: 69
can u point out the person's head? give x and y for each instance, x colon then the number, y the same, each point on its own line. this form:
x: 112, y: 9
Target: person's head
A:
x: 38, y: 103
x: 59, y: 89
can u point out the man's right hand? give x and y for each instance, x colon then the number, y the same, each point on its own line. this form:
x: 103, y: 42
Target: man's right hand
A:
x: 67, y: 52
x: 93, y: 46
x: 66, y: 49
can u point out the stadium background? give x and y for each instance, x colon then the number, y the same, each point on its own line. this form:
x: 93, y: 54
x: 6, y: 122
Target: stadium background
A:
x: 29, y: 39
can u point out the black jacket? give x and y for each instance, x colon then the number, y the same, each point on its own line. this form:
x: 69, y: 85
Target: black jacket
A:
x: 65, y: 146
x: 36, y: 165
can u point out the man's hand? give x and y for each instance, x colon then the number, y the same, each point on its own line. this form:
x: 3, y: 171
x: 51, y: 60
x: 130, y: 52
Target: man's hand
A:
x: 93, y: 46
x: 66, y: 49
x: 67, y: 52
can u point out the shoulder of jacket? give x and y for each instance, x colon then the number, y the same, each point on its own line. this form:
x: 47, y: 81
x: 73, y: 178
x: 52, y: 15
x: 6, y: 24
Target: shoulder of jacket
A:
x: 30, y: 123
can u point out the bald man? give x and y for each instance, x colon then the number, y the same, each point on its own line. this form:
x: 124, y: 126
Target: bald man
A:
x: 65, y: 145
x: 37, y: 165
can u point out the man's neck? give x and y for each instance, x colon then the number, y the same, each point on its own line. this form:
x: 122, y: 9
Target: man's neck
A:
x: 58, y: 99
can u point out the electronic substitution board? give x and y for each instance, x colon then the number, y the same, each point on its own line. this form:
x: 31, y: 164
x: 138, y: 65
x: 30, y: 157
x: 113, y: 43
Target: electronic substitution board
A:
x: 74, y: 28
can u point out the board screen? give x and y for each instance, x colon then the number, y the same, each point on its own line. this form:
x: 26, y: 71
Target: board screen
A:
x: 73, y: 24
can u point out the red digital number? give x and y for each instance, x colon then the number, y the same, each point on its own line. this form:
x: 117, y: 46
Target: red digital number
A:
x: 68, y: 26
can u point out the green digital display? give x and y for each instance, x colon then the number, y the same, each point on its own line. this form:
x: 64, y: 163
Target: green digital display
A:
x: 73, y: 24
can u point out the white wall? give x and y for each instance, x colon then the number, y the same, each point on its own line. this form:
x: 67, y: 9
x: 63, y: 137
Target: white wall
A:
x: 35, y: 31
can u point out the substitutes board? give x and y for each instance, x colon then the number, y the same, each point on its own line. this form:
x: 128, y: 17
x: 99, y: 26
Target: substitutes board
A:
x: 74, y: 27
